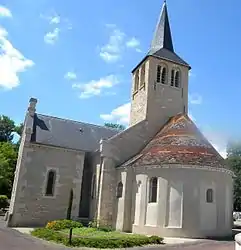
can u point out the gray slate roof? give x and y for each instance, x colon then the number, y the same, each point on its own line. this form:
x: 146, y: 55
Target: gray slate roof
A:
x: 70, y: 134
x: 162, y: 45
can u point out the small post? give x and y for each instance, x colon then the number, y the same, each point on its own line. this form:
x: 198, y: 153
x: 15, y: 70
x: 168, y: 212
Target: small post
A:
x: 70, y: 236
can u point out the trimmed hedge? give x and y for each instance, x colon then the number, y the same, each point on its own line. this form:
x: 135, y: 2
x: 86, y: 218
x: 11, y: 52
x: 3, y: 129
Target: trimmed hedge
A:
x: 3, y: 202
x: 63, y: 224
x: 96, y: 241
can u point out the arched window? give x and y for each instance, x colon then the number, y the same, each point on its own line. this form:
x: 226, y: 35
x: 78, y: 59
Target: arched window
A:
x: 158, y: 74
x: 50, y: 183
x: 172, y: 77
x: 153, y: 190
x: 164, y: 75
x: 209, y: 196
x: 93, y: 187
x: 143, y: 73
x: 119, y: 190
x: 136, y: 86
x: 177, y: 79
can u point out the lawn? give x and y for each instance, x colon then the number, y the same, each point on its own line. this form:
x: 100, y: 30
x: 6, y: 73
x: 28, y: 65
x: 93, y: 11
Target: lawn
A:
x: 58, y: 231
x: 95, y: 233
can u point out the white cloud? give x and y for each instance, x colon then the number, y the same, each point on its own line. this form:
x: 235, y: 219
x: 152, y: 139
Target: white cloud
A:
x: 52, y: 37
x: 111, y: 52
x: 70, y: 76
x: 133, y: 43
x: 96, y: 87
x: 54, y: 19
x: 191, y: 74
x: 218, y: 140
x: 120, y: 114
x: 5, y: 12
x: 12, y: 62
x: 195, y: 99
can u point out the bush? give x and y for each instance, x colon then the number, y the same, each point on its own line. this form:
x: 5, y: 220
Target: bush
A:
x: 3, y: 202
x: 97, y: 241
x: 63, y: 224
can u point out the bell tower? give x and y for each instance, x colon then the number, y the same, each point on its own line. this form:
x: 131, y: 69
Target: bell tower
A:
x: 160, y: 80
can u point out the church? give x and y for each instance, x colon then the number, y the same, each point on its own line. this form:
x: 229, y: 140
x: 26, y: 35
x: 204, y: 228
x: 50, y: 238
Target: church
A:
x: 160, y: 176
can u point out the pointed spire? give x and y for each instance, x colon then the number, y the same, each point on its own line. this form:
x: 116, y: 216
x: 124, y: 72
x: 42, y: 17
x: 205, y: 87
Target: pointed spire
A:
x: 162, y: 37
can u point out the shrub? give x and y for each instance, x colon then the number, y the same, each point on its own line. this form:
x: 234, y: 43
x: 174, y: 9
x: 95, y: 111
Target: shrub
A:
x: 97, y: 241
x: 3, y: 202
x: 63, y: 224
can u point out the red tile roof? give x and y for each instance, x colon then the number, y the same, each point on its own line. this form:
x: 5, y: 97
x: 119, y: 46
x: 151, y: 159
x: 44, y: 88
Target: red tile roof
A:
x: 179, y: 142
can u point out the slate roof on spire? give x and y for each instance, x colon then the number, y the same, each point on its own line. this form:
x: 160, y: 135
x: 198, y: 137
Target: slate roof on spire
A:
x: 162, y: 36
x: 162, y: 45
x: 178, y: 142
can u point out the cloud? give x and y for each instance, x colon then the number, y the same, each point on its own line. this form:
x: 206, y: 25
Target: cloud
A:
x: 5, y: 12
x: 111, y: 52
x: 120, y: 114
x: 70, y: 76
x: 54, y: 19
x: 118, y: 42
x: 217, y: 139
x: 191, y: 74
x: 12, y: 62
x: 195, y: 99
x: 133, y: 43
x: 96, y: 87
x: 52, y: 37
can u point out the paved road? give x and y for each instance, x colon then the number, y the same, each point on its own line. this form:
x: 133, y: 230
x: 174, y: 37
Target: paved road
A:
x: 13, y: 240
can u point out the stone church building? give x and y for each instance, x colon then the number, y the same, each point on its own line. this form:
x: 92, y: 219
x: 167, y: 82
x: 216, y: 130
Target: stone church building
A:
x: 160, y: 176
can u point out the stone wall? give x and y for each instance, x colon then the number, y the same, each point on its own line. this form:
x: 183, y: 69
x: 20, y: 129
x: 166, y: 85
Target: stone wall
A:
x: 179, y: 209
x: 29, y: 205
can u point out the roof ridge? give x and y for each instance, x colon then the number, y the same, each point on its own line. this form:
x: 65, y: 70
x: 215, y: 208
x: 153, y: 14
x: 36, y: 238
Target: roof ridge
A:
x: 87, y: 123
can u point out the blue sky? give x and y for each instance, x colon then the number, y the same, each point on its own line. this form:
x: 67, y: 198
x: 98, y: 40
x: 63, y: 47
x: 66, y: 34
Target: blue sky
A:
x: 75, y: 57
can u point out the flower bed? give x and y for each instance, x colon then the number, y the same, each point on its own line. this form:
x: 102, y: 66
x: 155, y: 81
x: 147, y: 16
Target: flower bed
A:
x: 95, y: 238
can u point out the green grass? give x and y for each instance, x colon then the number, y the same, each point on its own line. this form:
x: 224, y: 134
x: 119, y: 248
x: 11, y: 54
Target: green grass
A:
x: 95, y: 233
x: 94, y: 238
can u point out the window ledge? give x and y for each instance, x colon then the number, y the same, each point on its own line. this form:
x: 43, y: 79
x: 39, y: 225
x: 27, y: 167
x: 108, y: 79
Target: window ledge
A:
x: 142, y: 86
x: 177, y: 88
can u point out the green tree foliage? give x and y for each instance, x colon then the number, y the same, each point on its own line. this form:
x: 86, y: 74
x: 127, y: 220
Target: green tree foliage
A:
x: 7, y: 127
x: 8, y: 153
x: 8, y: 160
x: 234, y: 161
x: 115, y: 126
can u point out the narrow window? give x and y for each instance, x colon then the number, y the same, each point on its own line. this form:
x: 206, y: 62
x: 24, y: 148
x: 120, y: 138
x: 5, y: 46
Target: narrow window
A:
x: 164, y: 75
x: 158, y: 74
x: 172, y: 77
x: 93, y: 186
x: 209, y: 196
x: 136, y: 81
x: 153, y: 190
x: 177, y: 79
x: 143, y: 72
x: 119, y: 190
x: 50, y: 183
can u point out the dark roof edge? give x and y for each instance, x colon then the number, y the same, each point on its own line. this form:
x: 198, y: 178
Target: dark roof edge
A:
x: 182, y: 64
x: 70, y: 120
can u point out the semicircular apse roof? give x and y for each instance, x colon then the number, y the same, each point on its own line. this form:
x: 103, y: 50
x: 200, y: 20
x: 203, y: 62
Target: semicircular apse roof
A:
x: 179, y: 142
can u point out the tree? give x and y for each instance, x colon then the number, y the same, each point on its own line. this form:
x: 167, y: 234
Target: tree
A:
x: 7, y: 127
x: 234, y: 161
x: 115, y: 126
x: 8, y: 160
